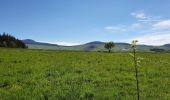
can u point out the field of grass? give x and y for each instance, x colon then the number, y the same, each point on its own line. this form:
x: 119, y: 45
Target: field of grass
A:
x: 68, y: 75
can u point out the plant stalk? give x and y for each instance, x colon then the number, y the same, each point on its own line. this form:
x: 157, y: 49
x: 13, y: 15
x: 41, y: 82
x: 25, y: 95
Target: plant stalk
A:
x: 136, y: 69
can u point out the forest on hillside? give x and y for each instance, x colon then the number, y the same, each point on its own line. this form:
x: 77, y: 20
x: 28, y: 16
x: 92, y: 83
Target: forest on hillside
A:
x: 10, y: 41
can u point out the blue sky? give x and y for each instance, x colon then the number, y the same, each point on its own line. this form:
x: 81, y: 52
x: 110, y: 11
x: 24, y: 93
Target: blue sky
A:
x: 72, y: 22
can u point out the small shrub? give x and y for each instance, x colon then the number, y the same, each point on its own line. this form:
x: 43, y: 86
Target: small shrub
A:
x: 89, y: 96
x: 4, y: 84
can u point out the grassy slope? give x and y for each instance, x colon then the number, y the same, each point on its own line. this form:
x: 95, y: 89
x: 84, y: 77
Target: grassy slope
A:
x: 39, y: 74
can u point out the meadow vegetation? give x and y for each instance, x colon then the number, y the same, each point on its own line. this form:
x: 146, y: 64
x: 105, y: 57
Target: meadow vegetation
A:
x: 70, y: 75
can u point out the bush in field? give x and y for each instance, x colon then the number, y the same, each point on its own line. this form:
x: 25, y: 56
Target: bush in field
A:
x: 157, y: 50
x: 9, y: 41
x: 109, y: 46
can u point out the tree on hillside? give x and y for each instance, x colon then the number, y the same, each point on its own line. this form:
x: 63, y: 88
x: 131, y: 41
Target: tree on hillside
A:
x: 9, y: 41
x: 109, y: 46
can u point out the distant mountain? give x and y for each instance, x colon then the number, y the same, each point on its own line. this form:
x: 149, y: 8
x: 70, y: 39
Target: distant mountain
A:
x: 91, y: 46
x: 167, y: 45
x: 29, y: 41
x: 95, y: 43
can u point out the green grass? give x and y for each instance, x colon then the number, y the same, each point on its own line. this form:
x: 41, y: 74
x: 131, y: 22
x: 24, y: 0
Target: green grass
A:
x: 68, y: 75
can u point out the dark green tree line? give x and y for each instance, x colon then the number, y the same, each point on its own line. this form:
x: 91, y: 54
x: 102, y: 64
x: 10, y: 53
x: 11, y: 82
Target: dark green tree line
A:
x: 9, y: 41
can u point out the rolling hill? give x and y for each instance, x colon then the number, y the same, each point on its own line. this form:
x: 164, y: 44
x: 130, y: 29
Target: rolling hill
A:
x: 91, y: 46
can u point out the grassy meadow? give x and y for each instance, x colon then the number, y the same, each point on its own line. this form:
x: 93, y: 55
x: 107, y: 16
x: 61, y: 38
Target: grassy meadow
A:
x: 73, y: 75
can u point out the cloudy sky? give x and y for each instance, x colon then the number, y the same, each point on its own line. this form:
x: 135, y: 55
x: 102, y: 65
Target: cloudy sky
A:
x: 72, y: 22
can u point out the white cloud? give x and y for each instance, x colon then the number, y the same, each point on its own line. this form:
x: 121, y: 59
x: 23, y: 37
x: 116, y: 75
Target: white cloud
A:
x: 144, y: 23
x: 149, y: 20
x: 135, y: 26
x: 140, y: 15
x: 164, y: 24
x: 115, y: 28
x: 63, y: 43
x: 67, y: 43
x: 154, y: 39
x: 124, y: 28
x: 155, y: 29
